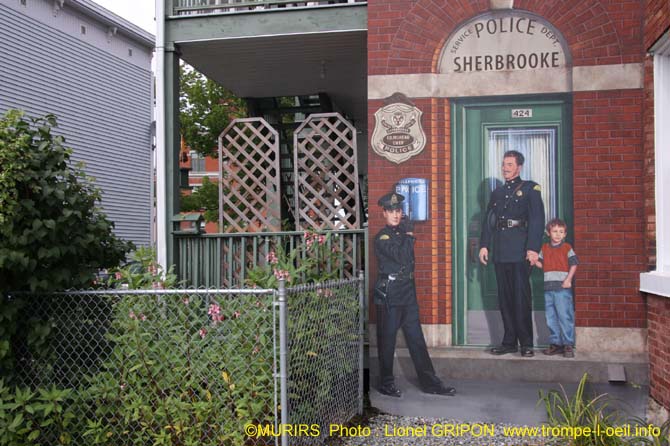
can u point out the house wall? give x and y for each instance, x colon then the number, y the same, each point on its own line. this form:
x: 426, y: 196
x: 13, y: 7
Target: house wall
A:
x: 99, y: 85
x: 656, y: 24
x: 405, y: 41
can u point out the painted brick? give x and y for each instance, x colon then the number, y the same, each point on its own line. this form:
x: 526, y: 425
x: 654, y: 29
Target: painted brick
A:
x: 658, y: 313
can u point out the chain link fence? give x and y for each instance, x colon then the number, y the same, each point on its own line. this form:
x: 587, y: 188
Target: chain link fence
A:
x: 183, y: 367
x: 325, y: 355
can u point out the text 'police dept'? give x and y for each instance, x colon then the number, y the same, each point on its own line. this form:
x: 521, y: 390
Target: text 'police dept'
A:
x: 498, y: 62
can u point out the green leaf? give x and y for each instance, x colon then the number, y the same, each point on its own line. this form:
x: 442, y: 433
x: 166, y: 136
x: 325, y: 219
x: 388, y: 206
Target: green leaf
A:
x: 16, y: 422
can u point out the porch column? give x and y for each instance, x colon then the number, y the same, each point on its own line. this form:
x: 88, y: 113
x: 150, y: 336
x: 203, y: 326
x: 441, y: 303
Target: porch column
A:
x: 167, y: 134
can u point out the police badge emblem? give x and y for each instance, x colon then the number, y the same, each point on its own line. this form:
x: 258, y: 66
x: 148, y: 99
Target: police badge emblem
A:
x: 398, y: 134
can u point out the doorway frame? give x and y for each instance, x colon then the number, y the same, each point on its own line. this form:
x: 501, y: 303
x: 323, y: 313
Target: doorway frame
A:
x: 564, y: 163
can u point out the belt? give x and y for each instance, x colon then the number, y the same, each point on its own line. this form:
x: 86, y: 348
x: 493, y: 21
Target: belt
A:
x: 397, y: 276
x: 509, y: 223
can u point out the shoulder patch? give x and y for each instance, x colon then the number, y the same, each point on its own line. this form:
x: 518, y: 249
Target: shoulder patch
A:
x: 537, y: 187
x: 384, y: 237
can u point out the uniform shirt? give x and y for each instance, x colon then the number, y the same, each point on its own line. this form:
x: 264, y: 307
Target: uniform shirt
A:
x: 556, y: 262
x: 514, y: 201
x: 395, y: 255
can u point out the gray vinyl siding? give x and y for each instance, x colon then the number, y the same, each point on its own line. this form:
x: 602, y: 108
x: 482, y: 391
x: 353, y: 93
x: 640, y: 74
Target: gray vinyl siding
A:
x: 103, y: 105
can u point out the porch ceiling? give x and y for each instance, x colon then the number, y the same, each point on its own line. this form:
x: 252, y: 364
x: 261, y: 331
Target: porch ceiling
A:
x: 288, y: 65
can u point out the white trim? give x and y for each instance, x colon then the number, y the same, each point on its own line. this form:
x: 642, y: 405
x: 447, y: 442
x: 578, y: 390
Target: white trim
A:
x: 658, y: 282
x: 161, y: 183
x: 496, y: 83
x: 662, y: 157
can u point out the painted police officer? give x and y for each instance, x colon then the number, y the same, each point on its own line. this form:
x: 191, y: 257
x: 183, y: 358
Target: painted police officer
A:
x: 395, y: 297
x: 514, y: 226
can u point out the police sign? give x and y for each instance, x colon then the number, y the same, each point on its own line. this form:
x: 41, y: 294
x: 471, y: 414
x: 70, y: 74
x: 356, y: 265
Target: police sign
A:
x: 398, y: 134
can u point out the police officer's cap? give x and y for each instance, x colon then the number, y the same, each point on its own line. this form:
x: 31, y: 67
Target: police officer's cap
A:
x: 391, y: 201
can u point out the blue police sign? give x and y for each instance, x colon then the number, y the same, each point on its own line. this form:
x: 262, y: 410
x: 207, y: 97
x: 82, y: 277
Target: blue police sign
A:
x: 415, y: 191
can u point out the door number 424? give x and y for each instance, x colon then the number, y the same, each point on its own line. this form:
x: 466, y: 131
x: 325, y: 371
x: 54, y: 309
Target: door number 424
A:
x: 522, y: 112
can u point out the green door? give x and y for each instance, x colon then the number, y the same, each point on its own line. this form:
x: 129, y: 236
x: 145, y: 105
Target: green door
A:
x: 482, y: 132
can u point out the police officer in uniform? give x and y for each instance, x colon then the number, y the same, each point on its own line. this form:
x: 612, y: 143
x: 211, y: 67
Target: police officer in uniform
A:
x: 395, y: 297
x: 514, y: 224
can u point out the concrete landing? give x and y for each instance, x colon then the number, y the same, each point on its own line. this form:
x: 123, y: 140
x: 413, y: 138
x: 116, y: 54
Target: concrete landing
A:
x: 497, y: 402
x: 506, y: 388
x: 479, y: 364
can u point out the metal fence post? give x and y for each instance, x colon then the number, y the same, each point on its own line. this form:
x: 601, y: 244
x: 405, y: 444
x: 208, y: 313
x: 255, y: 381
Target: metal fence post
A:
x: 361, y: 337
x: 283, y: 371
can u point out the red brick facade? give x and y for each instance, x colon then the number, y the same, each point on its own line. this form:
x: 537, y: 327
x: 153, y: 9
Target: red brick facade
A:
x: 407, y: 37
x: 656, y: 24
x: 608, y: 198
x: 658, y: 311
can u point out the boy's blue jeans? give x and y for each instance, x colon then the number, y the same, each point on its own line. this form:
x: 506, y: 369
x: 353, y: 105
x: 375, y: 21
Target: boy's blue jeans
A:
x: 560, y: 314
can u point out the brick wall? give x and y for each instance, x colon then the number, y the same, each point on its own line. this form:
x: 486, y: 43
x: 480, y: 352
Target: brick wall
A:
x: 608, y: 208
x: 656, y: 20
x: 658, y: 313
x: 406, y: 36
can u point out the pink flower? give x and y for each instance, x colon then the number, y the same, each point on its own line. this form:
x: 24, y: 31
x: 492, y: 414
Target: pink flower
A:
x: 185, y: 301
x: 256, y: 350
x: 118, y: 275
x: 143, y: 317
x: 202, y: 332
x: 152, y: 269
x: 215, y: 312
x: 157, y: 285
x: 321, y: 239
x: 236, y: 314
x: 325, y: 292
x: 214, y: 309
x: 131, y: 315
x: 282, y: 274
x: 272, y: 258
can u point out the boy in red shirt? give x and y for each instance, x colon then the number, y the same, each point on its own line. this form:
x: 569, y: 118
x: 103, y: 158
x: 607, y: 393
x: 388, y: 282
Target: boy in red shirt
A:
x: 559, y: 262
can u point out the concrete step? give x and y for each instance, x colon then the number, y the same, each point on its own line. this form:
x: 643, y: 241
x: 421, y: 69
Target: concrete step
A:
x: 479, y: 364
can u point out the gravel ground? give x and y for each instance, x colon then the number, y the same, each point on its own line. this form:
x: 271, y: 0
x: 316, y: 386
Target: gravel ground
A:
x: 389, y: 430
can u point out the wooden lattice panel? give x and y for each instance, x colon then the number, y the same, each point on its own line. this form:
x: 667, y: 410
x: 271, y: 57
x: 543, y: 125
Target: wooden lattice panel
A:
x: 326, y: 173
x: 249, y: 195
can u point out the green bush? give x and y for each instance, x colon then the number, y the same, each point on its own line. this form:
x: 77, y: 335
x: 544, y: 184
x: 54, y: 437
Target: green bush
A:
x: 41, y: 417
x: 53, y: 236
x: 184, y: 371
x: 52, y: 233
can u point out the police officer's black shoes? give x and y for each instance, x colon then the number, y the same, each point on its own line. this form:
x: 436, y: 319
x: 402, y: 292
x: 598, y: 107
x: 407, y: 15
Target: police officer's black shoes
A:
x: 503, y: 350
x: 440, y: 389
x: 390, y: 390
x: 527, y: 352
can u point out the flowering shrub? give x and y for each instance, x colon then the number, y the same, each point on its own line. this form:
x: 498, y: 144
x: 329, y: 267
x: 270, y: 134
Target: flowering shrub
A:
x: 322, y: 324
x: 142, y: 273
x: 315, y: 260
x: 185, y: 370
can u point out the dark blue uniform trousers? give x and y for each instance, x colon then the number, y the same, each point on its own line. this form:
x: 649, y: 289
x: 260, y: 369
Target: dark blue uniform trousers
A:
x: 514, y: 298
x: 389, y: 320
